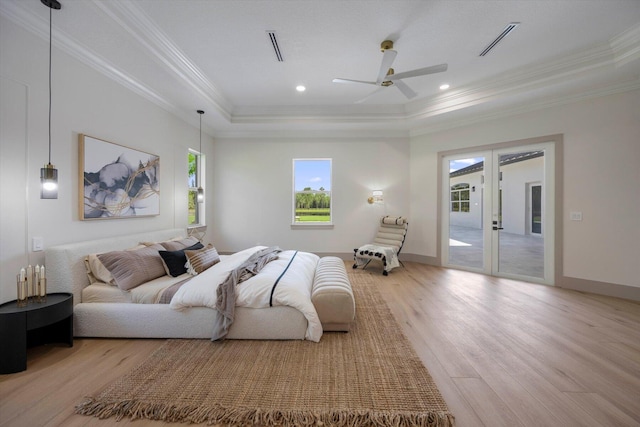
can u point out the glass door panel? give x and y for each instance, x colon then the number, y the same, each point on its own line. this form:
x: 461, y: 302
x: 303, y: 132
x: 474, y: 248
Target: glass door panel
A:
x: 464, y: 211
x: 519, y: 249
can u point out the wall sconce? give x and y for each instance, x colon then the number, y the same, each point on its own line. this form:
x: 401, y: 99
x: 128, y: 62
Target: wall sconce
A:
x: 376, y: 197
x: 200, y: 196
x: 49, y: 173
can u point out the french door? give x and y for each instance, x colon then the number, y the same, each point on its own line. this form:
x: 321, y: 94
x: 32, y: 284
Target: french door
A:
x: 498, y: 212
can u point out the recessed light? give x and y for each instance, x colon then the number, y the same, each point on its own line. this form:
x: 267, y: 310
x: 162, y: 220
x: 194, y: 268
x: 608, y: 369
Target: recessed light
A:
x: 444, y: 87
x: 301, y: 88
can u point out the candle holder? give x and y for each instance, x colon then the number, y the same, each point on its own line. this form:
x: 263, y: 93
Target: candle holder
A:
x: 41, y: 290
x: 22, y: 291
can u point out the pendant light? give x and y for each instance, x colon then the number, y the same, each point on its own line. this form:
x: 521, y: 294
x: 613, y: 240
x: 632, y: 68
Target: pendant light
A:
x: 200, y: 190
x: 49, y: 173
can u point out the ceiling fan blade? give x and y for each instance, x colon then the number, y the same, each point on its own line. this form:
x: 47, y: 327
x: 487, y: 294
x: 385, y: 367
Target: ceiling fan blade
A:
x: 387, y: 59
x: 380, y: 89
x: 352, y: 81
x: 406, y: 90
x: 419, y: 72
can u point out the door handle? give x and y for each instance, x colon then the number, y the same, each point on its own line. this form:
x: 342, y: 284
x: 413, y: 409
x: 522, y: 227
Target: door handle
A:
x: 498, y: 228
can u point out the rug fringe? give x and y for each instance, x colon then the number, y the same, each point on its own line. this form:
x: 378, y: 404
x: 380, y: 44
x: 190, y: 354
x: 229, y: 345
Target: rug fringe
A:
x: 236, y: 417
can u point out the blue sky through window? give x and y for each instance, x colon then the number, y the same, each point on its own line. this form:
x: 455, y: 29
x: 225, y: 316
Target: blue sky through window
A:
x: 312, y: 173
x: 458, y: 164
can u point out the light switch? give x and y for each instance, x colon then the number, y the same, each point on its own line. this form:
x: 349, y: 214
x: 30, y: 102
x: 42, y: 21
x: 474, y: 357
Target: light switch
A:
x: 576, y: 216
x: 38, y: 244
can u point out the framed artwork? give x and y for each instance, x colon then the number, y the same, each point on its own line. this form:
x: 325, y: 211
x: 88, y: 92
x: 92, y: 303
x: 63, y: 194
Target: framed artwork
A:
x: 116, y: 181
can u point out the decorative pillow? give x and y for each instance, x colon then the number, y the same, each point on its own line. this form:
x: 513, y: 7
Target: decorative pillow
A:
x: 133, y: 268
x: 394, y: 220
x: 201, y: 259
x: 174, y: 245
x: 97, y: 272
x: 175, y: 261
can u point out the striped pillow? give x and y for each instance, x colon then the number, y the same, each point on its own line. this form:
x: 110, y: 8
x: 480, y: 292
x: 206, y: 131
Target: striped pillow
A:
x: 201, y: 259
x: 133, y: 268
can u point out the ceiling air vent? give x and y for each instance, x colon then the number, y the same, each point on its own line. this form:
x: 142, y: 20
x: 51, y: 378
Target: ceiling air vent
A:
x: 274, y: 43
x: 512, y: 26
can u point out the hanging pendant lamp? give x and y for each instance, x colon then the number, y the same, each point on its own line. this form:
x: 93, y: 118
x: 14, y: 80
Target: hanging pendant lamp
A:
x: 49, y: 173
x: 200, y: 190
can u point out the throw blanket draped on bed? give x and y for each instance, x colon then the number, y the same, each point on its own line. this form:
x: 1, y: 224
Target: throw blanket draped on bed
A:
x: 293, y: 272
x: 226, y: 292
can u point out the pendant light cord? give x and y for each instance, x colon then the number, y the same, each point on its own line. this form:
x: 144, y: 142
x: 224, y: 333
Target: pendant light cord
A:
x: 50, y: 50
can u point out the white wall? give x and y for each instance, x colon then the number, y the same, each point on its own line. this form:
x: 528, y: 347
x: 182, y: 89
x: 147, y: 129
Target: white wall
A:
x: 253, y: 187
x: 84, y: 101
x: 515, y: 180
x: 601, y: 177
x: 473, y: 218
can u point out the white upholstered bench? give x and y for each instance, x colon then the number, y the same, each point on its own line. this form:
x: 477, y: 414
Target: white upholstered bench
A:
x: 332, y: 295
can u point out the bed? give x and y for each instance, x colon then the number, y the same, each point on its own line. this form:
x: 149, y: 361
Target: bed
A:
x: 103, y: 310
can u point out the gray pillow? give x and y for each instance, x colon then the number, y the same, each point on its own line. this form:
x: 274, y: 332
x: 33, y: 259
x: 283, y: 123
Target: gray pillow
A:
x: 133, y: 268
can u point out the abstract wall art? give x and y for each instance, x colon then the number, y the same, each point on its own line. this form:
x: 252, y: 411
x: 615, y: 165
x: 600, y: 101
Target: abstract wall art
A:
x: 116, y: 181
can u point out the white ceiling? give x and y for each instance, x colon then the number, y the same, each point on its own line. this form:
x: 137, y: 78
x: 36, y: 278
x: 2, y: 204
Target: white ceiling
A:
x: 215, y: 55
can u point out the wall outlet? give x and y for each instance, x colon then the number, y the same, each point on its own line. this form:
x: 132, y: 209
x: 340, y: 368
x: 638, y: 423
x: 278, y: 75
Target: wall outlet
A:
x: 575, y: 216
x: 37, y: 244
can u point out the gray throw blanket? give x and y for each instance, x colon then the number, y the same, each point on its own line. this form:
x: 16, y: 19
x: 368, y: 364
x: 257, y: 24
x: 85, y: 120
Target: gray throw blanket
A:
x: 226, y: 292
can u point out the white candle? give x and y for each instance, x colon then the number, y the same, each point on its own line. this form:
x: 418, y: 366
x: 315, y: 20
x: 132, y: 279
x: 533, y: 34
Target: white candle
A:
x: 30, y: 280
x: 43, y: 282
x: 23, y: 274
x: 20, y: 288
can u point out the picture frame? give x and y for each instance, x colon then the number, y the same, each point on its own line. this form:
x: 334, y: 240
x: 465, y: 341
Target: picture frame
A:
x: 116, y: 181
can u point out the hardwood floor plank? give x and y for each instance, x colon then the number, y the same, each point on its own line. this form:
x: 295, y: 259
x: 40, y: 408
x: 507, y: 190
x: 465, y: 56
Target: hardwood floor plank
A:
x: 602, y: 412
x: 486, y: 403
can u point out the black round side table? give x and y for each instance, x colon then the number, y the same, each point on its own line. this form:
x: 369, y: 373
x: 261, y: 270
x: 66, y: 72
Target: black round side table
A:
x: 35, y: 324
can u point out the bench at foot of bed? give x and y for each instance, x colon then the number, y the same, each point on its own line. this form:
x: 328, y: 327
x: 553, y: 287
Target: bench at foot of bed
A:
x: 332, y: 295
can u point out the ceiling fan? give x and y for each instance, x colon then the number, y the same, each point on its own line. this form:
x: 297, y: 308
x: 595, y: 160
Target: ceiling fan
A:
x: 387, y: 77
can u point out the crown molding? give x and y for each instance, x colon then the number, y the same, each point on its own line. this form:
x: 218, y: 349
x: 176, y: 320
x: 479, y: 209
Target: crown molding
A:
x: 527, y: 107
x: 626, y: 46
x: 337, y: 114
x: 40, y: 27
x: 514, y: 83
x: 320, y: 135
x: 136, y: 23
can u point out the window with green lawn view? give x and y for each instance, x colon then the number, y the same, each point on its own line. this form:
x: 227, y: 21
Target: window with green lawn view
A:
x: 311, y: 191
x: 196, y: 176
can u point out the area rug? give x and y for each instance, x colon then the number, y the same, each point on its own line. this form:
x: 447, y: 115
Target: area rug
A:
x: 370, y: 376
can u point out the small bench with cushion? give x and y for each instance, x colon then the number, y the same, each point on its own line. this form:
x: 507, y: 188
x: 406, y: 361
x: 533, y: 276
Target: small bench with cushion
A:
x: 332, y: 295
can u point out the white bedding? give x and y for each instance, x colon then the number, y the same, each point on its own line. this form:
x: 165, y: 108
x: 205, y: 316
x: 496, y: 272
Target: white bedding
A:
x: 293, y: 288
x: 147, y: 293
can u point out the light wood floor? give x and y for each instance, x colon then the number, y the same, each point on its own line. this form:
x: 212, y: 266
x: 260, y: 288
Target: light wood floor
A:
x: 502, y: 352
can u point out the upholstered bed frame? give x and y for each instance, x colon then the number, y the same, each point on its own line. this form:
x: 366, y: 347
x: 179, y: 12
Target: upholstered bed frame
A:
x: 66, y: 273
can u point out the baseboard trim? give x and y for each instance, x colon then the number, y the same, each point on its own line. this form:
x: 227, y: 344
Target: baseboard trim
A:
x: 600, y: 288
x: 421, y: 259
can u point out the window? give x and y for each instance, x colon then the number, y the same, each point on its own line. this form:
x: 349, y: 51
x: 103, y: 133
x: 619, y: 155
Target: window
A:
x: 195, y: 179
x: 311, y: 191
x: 460, y: 198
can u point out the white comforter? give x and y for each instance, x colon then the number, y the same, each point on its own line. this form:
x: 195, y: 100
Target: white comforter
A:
x: 293, y: 289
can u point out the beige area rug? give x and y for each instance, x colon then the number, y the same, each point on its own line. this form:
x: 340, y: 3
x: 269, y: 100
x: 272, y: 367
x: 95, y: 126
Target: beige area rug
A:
x: 370, y: 376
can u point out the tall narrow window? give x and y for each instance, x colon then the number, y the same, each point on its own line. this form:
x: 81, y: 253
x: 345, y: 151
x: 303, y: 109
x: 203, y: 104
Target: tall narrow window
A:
x: 195, y: 177
x: 312, y: 191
